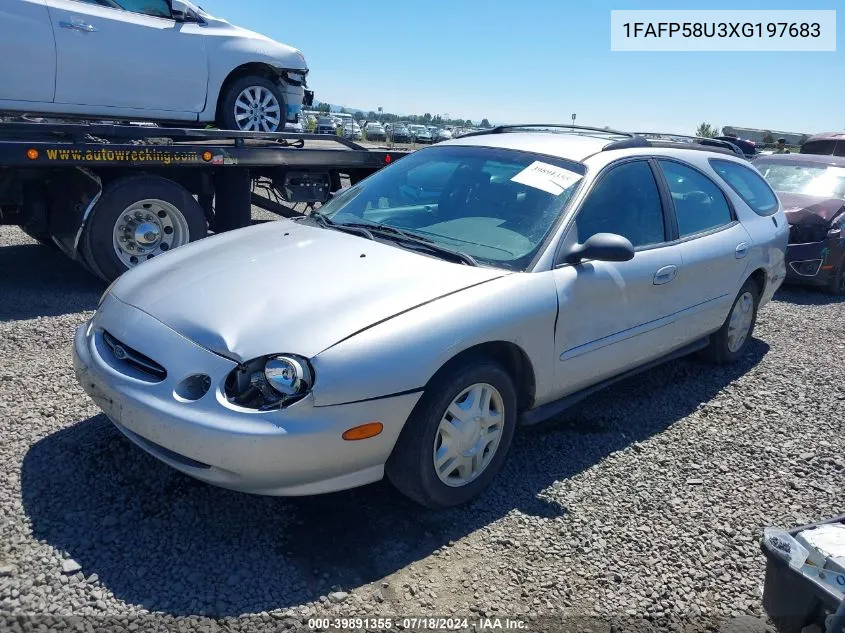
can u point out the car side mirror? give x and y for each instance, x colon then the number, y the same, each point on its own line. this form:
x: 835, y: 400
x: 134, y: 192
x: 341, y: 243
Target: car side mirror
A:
x: 604, y: 247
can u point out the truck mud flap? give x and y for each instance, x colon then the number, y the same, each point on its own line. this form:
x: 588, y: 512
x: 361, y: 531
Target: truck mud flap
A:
x: 72, y: 195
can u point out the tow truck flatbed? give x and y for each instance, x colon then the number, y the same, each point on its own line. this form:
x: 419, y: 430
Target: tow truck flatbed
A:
x: 63, y: 183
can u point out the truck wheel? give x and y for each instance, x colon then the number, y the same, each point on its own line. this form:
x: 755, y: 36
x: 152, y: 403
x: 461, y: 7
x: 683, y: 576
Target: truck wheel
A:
x: 253, y: 104
x: 137, y: 218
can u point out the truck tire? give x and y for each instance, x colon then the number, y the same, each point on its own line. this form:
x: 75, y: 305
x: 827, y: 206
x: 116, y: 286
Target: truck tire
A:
x: 253, y: 103
x: 137, y: 218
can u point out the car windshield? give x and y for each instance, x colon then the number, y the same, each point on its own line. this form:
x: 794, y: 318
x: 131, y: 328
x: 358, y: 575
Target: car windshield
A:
x: 496, y: 205
x: 812, y: 180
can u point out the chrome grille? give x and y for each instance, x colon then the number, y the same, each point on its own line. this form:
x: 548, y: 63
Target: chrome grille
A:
x: 125, y: 354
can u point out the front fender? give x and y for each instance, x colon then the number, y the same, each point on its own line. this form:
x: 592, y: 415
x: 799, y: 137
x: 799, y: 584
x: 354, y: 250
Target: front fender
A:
x: 226, y: 54
x: 403, y: 353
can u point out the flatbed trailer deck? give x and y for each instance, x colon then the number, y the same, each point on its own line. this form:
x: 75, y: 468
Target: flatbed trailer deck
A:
x: 111, y: 196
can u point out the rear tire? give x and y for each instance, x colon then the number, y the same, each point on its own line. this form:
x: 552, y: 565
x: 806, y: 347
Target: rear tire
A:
x: 184, y: 218
x: 836, y: 286
x: 411, y: 467
x: 729, y: 343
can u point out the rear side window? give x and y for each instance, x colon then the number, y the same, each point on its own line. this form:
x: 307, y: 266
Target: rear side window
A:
x: 749, y: 186
x: 699, y: 203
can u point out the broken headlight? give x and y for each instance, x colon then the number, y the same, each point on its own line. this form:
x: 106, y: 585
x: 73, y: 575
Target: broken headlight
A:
x: 270, y: 382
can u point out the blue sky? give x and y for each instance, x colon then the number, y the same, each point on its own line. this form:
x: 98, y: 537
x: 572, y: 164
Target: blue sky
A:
x: 542, y: 60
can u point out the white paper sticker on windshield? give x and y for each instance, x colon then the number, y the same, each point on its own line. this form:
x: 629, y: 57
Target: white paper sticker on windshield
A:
x: 546, y: 177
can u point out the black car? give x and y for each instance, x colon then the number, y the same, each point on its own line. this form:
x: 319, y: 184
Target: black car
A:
x: 325, y: 125
x: 400, y: 134
x: 812, y: 191
x: 748, y: 147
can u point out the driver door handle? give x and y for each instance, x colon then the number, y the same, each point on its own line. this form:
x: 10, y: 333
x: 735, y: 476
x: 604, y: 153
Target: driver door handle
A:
x: 741, y: 250
x: 665, y: 275
x: 77, y: 25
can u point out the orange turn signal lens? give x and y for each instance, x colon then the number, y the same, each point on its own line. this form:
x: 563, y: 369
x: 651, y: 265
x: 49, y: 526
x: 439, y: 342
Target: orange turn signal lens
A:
x: 32, y: 153
x: 207, y: 156
x: 363, y: 432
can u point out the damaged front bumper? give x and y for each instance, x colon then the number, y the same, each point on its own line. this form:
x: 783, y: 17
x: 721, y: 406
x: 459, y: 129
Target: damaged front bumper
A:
x: 298, y: 450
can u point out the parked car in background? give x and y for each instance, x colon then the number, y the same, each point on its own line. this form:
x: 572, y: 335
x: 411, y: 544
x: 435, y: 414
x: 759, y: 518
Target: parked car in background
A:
x: 462, y: 290
x: 326, y: 125
x: 442, y: 134
x: 399, y: 133
x: 375, y: 131
x: 420, y: 134
x: 352, y: 130
x: 828, y: 143
x: 157, y: 60
x: 294, y: 127
x: 812, y: 190
x: 749, y: 148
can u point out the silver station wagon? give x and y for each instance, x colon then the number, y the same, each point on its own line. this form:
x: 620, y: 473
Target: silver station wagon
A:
x: 407, y: 328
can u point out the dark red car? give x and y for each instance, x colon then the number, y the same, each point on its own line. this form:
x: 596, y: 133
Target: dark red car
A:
x: 812, y: 190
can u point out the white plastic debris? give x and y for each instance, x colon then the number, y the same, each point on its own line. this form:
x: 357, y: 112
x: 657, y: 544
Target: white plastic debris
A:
x: 829, y: 539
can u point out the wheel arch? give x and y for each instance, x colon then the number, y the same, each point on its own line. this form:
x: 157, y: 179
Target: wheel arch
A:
x: 512, y: 358
x: 759, y: 277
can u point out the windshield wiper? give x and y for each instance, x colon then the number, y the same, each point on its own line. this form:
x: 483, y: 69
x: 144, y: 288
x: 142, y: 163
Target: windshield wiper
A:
x: 328, y: 223
x: 398, y: 235
x: 367, y: 229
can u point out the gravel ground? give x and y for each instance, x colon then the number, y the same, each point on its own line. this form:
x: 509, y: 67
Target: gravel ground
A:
x: 644, y: 506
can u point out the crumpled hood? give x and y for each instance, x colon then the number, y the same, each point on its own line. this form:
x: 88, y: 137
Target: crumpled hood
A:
x: 287, y: 287
x: 804, y: 209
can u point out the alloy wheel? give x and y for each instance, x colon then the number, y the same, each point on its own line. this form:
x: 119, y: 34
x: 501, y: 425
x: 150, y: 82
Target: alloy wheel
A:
x: 258, y: 110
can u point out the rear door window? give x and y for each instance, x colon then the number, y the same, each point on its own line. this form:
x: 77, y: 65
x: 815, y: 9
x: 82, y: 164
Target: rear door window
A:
x: 748, y: 185
x: 700, y: 205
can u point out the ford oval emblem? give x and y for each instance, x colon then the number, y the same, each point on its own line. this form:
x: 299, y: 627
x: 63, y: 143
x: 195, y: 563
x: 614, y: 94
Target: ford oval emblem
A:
x: 119, y: 352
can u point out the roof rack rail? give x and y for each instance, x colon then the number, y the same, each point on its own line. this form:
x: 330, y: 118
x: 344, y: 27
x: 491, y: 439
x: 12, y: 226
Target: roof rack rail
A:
x: 499, y: 129
x: 668, y: 137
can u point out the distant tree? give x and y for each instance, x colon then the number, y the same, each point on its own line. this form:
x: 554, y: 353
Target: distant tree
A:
x: 768, y: 137
x: 324, y: 108
x: 427, y: 117
x: 485, y: 123
x: 706, y: 130
x: 468, y: 123
x: 342, y: 110
x: 371, y: 115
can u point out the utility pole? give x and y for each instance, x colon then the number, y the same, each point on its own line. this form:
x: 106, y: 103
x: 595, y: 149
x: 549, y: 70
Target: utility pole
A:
x: 573, y: 119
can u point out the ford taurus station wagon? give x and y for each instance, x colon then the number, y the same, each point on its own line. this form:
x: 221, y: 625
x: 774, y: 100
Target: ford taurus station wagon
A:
x: 407, y: 328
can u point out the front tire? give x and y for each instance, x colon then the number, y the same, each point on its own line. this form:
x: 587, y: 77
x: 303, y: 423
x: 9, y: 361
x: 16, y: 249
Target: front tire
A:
x: 136, y: 219
x: 729, y: 343
x: 458, y: 436
x: 253, y: 104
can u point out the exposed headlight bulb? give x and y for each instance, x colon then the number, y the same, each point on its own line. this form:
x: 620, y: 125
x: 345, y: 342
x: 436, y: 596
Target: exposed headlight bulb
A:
x: 287, y: 375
